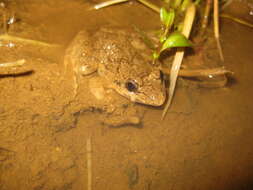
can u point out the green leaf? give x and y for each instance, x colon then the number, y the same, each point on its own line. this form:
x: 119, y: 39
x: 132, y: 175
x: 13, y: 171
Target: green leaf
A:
x: 163, y: 15
x: 167, y: 17
x: 176, y: 40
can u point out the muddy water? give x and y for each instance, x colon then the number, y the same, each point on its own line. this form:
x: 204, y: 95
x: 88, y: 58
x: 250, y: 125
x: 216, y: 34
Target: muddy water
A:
x: 205, y: 142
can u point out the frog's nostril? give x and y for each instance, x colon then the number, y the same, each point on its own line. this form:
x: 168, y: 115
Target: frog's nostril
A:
x: 131, y: 86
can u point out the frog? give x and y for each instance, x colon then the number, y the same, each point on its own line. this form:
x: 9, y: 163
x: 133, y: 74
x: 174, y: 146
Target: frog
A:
x: 122, y: 59
x: 112, y: 63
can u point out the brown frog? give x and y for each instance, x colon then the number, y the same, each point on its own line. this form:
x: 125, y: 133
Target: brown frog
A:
x: 121, y: 59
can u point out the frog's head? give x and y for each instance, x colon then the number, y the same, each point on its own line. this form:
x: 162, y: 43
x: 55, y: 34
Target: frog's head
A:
x: 148, y: 89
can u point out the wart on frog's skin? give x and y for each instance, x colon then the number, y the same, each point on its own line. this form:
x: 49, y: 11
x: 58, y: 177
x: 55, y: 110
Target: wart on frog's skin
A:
x: 121, y: 58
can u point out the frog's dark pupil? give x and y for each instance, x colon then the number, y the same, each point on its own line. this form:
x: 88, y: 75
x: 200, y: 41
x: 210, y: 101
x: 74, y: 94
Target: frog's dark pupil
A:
x: 131, y: 86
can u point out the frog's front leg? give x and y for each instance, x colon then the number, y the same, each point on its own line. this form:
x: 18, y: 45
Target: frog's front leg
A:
x: 80, y: 58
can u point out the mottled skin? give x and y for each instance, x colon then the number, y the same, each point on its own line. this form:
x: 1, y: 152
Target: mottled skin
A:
x: 122, y: 59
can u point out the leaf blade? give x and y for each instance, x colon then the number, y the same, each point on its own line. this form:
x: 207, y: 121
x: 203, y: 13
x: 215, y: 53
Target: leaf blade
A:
x: 176, y: 39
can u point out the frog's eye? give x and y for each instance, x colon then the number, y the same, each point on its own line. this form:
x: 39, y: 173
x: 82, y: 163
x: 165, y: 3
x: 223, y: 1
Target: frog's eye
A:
x: 131, y: 86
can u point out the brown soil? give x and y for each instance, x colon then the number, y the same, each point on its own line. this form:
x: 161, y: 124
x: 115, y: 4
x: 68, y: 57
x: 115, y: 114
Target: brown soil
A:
x: 205, y: 141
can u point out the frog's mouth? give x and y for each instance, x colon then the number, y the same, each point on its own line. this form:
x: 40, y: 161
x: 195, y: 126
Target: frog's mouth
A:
x: 147, y: 99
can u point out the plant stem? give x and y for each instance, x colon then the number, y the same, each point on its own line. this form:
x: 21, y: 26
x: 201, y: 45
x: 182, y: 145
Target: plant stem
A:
x: 216, y: 27
x: 188, y: 21
x: 166, y: 31
x: 206, y: 15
